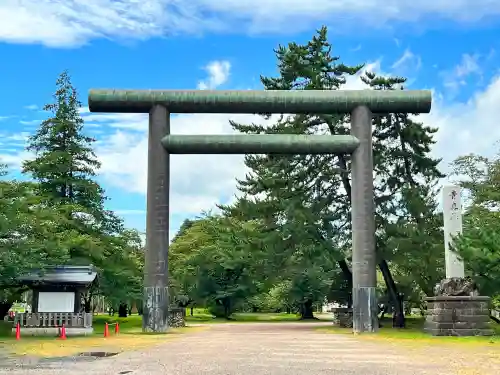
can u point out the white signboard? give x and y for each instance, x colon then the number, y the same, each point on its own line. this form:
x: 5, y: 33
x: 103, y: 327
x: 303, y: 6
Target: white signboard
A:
x: 56, y: 302
x: 452, y: 212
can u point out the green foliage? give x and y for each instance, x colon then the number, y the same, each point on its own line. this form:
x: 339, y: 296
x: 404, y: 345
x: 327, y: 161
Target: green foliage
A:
x: 30, y: 236
x: 29, y: 232
x: 215, y: 262
x: 304, y: 200
x: 275, y: 299
x: 480, y: 243
x: 416, y: 240
x: 186, y: 224
x: 122, y: 269
x: 340, y: 289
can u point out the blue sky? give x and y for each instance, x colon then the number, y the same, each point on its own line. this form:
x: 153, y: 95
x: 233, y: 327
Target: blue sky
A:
x: 451, y: 47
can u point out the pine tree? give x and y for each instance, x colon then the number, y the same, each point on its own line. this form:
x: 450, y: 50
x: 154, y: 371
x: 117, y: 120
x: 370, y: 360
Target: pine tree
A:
x: 307, y: 198
x: 65, y: 164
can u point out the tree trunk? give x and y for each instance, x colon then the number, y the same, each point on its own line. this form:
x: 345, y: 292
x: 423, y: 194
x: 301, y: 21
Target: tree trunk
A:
x: 348, y: 277
x: 494, y: 318
x: 226, y: 303
x: 398, y: 319
x: 192, y: 310
x: 306, y: 310
x: 396, y: 297
x: 87, y: 304
x: 122, y: 310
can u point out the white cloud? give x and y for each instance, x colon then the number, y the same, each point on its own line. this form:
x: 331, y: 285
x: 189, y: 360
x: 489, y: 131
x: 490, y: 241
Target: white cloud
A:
x: 407, y: 62
x: 30, y: 122
x: 14, y: 157
x: 218, y: 74
x: 467, y: 66
x: 457, y: 77
x: 72, y: 22
x: 468, y: 127
x: 133, y: 121
x: 197, y: 181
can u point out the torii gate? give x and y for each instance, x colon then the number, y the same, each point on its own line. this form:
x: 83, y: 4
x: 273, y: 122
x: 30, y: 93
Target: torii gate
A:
x: 161, y: 103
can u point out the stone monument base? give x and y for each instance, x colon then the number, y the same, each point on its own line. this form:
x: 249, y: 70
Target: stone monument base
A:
x: 458, y: 316
x: 342, y: 317
x: 177, y: 317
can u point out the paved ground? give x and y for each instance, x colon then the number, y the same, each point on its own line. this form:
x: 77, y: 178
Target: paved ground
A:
x: 255, y: 349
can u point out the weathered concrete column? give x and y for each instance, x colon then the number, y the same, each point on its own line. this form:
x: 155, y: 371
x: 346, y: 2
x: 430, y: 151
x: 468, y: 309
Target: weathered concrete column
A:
x: 364, y: 280
x: 156, y: 304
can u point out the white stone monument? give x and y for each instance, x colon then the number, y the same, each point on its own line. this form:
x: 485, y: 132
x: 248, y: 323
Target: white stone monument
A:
x: 452, y: 215
x: 456, y: 309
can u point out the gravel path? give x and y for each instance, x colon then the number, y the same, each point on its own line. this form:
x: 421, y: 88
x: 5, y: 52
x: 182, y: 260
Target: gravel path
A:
x: 252, y: 349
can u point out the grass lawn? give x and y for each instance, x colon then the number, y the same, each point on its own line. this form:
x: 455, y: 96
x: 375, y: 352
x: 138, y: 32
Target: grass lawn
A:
x: 129, y: 338
x: 413, y: 335
x: 201, y: 315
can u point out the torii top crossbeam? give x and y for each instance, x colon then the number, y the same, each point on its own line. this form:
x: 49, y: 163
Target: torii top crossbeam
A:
x: 260, y: 101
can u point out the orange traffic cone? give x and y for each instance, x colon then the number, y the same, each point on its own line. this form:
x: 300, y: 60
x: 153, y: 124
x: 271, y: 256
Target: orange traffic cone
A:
x: 106, y: 330
x: 117, y: 328
x: 63, y: 333
x: 18, y: 331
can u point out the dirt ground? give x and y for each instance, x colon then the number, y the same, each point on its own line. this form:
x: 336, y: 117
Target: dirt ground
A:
x: 270, y: 348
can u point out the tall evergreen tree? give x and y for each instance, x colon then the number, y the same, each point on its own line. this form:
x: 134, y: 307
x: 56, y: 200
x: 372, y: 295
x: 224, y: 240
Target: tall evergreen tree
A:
x: 65, y: 164
x: 65, y: 168
x: 307, y: 198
